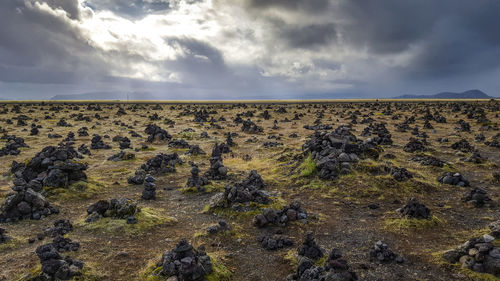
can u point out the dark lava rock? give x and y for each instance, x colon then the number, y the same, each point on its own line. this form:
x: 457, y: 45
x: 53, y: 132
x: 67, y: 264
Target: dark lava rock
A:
x: 477, y: 197
x: 156, y: 133
x: 401, y: 174
x: 53, y: 166
x: 336, y: 152
x: 274, y: 242
x: 149, y: 192
x: 121, y: 208
x: 415, y: 145
x: 382, y: 253
x: 3, y: 236
x: 426, y: 160
x: 379, y: 133
x: 195, y: 150
x: 250, y: 127
x: 61, y: 227
x: 178, y: 143
x: 248, y: 190
x: 453, y: 179
x: 335, y: 268
x: 122, y: 156
x: 25, y: 203
x: 54, y: 266
x: 281, y: 217
x: 221, y: 226
x: 196, y: 180
x: 309, y: 248
x: 160, y: 164
x: 217, y: 169
x: 185, y: 263
x: 12, y: 145
x: 413, y: 209
x: 98, y: 143
x: 463, y: 146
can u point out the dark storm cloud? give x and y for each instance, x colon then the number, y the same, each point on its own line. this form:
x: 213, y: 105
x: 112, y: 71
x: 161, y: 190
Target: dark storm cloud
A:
x: 308, y: 36
x: 454, y: 36
x: 36, y: 47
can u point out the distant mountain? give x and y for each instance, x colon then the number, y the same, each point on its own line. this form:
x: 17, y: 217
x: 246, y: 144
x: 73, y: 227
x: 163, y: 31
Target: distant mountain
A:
x: 471, y: 94
x: 116, y: 95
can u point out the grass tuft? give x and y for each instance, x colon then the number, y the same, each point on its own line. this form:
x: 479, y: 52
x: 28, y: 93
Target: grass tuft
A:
x: 308, y: 167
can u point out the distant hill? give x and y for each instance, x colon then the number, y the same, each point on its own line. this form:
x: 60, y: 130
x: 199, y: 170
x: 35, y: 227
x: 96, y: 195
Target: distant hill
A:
x: 471, y: 94
x: 117, y: 95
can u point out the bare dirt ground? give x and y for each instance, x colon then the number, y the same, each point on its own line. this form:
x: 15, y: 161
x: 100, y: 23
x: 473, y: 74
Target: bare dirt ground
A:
x: 345, y: 221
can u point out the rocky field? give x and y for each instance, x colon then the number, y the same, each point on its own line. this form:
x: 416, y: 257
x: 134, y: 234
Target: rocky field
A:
x: 257, y: 191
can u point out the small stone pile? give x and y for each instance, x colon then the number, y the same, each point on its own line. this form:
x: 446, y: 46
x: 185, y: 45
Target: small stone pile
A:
x: 478, y: 254
x: 12, y: 146
x: 53, y: 166
x: 274, y: 242
x: 475, y: 158
x: 195, y: 150
x: 382, y: 253
x: 160, y: 164
x: 196, y: 180
x: 155, y: 133
x: 453, y: 179
x: 124, y: 142
x: 149, y: 192
x: 221, y: 226
x: 415, y: 145
x: 413, y: 209
x: 217, y: 169
x: 122, y: 156
x: 184, y: 263
x: 463, y: 146
x: 122, y: 208
x: 61, y: 227
x: 178, y: 143
x: 250, y: 127
x: 380, y: 133
x: 494, y: 142
x: 334, y: 269
x: 336, y: 152
x: 288, y: 214
x: 84, y: 149
x: 309, y: 248
x: 98, y: 143
x: 477, y: 197
x: 3, y: 236
x: 401, y: 174
x: 25, y: 203
x: 426, y: 160
x: 249, y: 190
x: 54, y: 266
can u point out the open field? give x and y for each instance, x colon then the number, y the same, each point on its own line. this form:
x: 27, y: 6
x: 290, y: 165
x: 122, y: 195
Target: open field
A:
x: 350, y: 204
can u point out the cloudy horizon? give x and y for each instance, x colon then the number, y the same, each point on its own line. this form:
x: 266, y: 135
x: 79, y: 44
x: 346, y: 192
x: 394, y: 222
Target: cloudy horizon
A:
x: 247, y: 49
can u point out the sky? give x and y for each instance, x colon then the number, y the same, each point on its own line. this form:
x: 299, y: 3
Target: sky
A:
x: 247, y: 49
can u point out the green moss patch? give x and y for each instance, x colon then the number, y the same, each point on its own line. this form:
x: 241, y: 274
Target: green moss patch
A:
x: 147, y: 218
x: 78, y: 190
x: 399, y: 225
